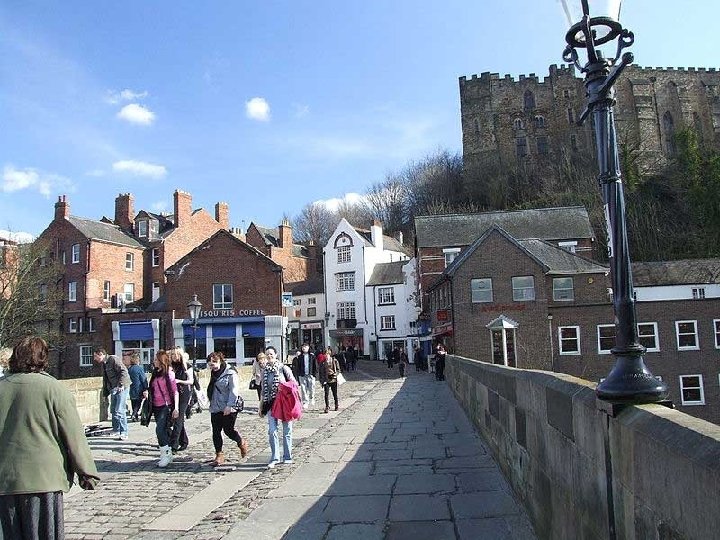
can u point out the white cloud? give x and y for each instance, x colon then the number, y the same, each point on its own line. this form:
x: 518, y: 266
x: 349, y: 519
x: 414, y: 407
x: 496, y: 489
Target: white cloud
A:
x: 136, y: 114
x: 19, y: 237
x: 114, y: 97
x: 140, y: 168
x: 14, y: 179
x: 334, y: 203
x: 257, y: 109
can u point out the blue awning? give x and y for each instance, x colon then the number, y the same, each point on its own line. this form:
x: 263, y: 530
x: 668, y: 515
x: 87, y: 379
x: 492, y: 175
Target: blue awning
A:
x: 136, y: 330
x: 223, y: 330
x: 253, y: 329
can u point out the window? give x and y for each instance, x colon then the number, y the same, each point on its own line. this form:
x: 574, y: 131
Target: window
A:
x: 542, y: 145
x: 569, y: 246
x: 521, y: 146
x: 311, y: 312
x: 518, y: 123
x: 346, y: 310
x: 312, y: 300
x: 63, y: 257
x: 81, y: 325
x: 75, y: 254
x: 86, y: 355
x: 387, y: 322
x: 528, y: 101
x: 606, y: 338
x: 155, y: 255
x: 142, y: 228
x: 91, y: 324
x: 716, y: 330
x: 563, y: 289
x: 691, y: 390
x: 43, y: 292
x: 450, y: 255
x: 345, y: 281
x: 481, y: 290
x: 129, y: 292
x: 571, y: 115
x: 698, y: 293
x: 106, y: 291
x: 569, y: 338
x: 648, y: 336
x: 129, y: 261
x: 344, y: 254
x: 297, y: 301
x: 155, y: 291
x: 687, y: 338
x: 523, y: 288
x: 72, y: 325
x: 386, y: 295
x: 72, y: 291
x: 222, y: 296
x: 43, y: 260
x: 539, y: 121
x: 566, y: 93
x: 298, y: 313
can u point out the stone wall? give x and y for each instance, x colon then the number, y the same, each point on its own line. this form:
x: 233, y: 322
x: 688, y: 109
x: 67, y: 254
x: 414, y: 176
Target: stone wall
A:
x: 92, y: 406
x: 586, y: 470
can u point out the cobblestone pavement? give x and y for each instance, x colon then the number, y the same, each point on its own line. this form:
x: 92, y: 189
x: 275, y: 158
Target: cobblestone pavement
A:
x: 399, y: 460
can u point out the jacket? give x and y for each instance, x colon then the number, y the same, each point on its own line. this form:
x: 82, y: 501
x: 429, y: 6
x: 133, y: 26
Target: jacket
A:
x: 298, y: 365
x: 226, y: 391
x: 138, y: 381
x: 114, y: 374
x: 43, y: 442
x: 328, y: 370
x: 287, y: 405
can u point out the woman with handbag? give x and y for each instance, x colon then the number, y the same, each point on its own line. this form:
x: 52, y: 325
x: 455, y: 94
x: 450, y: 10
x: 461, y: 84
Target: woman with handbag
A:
x: 180, y: 362
x: 224, y: 394
x: 328, y: 371
x: 138, y: 385
x: 165, y: 399
x: 273, y: 374
x: 256, y: 380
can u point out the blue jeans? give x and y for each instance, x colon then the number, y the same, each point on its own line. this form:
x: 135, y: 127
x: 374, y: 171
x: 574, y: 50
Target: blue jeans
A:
x: 275, y: 443
x: 162, y: 417
x: 118, y: 410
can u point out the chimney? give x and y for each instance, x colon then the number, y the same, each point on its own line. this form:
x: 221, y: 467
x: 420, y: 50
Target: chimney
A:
x: 376, y: 234
x: 312, y: 258
x: 400, y: 237
x: 124, y: 211
x: 62, y: 208
x: 285, y: 230
x: 222, y: 215
x: 183, y: 208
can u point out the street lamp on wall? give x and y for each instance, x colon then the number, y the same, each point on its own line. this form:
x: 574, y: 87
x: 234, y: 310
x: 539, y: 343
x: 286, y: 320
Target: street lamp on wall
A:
x: 630, y: 381
x: 194, y: 308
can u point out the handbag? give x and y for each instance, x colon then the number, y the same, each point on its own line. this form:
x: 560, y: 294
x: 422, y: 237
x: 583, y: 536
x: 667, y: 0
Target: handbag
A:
x: 145, y: 412
x: 253, y: 385
x: 239, y: 404
x: 340, y: 379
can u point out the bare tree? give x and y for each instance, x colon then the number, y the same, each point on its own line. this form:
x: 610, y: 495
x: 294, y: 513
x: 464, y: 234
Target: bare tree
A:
x: 315, y: 222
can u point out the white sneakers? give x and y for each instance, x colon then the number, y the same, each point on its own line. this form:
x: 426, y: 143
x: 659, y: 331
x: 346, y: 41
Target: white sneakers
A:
x: 287, y: 461
x: 166, y: 456
x: 123, y: 437
x: 272, y: 464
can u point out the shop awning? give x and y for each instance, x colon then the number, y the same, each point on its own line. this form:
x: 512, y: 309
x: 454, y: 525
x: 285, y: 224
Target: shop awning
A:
x: 136, y: 330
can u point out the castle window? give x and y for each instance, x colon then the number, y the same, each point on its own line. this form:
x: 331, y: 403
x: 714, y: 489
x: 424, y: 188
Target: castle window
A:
x: 539, y: 121
x: 528, y: 101
x: 566, y: 93
x: 521, y: 146
x: 669, y: 133
x: 477, y: 125
x: 542, y: 145
x: 573, y: 142
x: 571, y: 115
x: 518, y: 123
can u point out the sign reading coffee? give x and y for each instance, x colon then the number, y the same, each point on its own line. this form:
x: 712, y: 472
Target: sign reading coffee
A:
x: 232, y: 313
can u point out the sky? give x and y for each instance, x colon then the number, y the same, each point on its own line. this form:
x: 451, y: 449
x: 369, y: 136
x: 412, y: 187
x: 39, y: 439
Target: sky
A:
x: 265, y: 105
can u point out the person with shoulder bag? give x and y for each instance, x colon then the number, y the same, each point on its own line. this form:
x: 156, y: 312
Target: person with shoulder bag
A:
x: 328, y: 372
x: 164, y: 398
x: 257, y: 368
x: 225, y: 402
x: 184, y: 377
x: 275, y: 373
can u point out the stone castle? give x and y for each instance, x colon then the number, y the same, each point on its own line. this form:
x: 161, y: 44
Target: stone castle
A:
x: 508, y: 121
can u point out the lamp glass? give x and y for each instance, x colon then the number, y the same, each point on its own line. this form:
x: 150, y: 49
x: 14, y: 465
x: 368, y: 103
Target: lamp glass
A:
x: 573, y: 10
x: 194, y: 306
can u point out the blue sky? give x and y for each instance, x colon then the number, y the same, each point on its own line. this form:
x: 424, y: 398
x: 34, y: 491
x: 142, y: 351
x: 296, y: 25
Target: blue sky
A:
x: 265, y: 105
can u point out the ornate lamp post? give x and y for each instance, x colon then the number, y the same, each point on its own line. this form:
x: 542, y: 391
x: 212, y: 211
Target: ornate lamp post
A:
x: 630, y: 381
x: 194, y: 308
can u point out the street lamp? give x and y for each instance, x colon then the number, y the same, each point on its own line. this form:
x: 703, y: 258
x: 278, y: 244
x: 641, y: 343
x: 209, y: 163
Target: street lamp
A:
x: 194, y: 308
x: 630, y: 381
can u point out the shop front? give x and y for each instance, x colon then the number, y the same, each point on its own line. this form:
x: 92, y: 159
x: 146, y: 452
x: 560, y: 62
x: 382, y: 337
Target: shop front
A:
x: 347, y: 337
x: 238, y: 338
x: 136, y: 337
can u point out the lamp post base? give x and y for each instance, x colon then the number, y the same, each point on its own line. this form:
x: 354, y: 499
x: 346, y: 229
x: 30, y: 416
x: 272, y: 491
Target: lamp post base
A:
x: 631, y: 382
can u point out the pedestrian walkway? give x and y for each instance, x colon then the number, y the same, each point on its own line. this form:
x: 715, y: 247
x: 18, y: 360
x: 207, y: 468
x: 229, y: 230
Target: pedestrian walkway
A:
x: 399, y: 460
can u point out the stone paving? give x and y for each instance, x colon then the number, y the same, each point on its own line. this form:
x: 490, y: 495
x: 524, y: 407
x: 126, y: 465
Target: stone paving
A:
x: 399, y: 460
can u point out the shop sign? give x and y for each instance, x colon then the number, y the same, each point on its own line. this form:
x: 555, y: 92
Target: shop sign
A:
x: 311, y: 326
x: 287, y: 299
x: 494, y: 308
x: 343, y: 332
x: 442, y: 315
x: 232, y: 313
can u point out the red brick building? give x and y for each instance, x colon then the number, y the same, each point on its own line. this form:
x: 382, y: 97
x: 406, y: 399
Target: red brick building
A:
x: 299, y: 262
x: 529, y: 304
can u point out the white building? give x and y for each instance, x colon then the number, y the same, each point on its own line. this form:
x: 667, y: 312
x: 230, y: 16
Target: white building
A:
x: 350, y: 257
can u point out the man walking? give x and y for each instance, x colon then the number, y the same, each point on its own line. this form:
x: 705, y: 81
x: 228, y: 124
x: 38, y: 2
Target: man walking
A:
x: 116, y: 385
x: 305, y: 368
x: 420, y: 359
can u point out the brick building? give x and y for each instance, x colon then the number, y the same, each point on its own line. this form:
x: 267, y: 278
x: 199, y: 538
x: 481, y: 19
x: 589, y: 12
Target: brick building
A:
x: 114, y: 269
x: 529, y: 304
x: 299, y: 262
x: 510, y: 121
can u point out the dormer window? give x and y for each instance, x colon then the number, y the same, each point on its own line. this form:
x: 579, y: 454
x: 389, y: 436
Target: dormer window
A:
x: 142, y: 228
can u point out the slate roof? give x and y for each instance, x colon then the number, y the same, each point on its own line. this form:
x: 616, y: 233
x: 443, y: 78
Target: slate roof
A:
x: 309, y: 286
x: 463, y: 229
x: 681, y: 272
x: 271, y: 237
x: 387, y: 273
x: 389, y: 243
x: 99, y: 230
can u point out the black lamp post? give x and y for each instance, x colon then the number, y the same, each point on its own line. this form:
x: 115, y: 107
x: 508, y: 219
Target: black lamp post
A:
x: 630, y: 381
x: 194, y: 308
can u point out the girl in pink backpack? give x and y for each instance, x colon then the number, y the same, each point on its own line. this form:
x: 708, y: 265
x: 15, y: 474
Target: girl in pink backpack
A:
x: 274, y: 373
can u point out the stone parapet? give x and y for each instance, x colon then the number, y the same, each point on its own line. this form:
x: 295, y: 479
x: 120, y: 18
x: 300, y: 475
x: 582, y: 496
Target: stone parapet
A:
x: 587, y: 470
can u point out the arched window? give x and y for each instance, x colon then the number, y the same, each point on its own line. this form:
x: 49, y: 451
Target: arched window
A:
x: 668, y: 126
x: 539, y: 121
x: 518, y: 123
x: 529, y: 101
